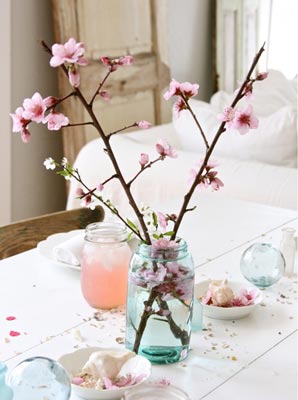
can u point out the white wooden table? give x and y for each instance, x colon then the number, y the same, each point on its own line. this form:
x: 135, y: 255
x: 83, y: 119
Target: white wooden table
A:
x: 251, y: 358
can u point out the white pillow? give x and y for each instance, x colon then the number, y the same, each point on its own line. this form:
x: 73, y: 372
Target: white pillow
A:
x: 274, y: 142
x: 268, y: 97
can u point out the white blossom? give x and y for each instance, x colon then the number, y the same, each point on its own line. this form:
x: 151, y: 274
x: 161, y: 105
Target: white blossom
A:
x: 49, y: 163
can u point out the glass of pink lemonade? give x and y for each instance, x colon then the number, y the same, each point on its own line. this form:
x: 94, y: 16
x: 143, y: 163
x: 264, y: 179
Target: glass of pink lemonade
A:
x: 104, y: 263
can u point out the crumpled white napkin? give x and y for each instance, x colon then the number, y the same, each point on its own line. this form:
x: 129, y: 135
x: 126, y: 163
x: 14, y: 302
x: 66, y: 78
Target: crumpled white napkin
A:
x: 70, y: 250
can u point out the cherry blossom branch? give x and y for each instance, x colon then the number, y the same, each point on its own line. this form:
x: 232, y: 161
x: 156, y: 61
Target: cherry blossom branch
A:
x: 78, y: 124
x: 58, y: 101
x: 122, y: 129
x: 196, y: 120
x: 220, y: 130
x: 99, y: 88
x: 89, y: 109
x: 91, y: 192
x: 143, y: 169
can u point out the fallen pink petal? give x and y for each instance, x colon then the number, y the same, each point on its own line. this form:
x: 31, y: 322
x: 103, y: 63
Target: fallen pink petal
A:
x: 10, y: 318
x: 14, y: 333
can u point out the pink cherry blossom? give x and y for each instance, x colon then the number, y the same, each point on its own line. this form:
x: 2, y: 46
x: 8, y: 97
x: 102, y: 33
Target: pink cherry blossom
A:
x: 209, y: 178
x: 19, y: 122
x: 80, y: 192
x: 25, y: 135
x: 122, y: 381
x: 105, y: 95
x: 71, y: 52
x: 178, y: 107
x: 144, y: 159
x: 100, y: 187
x: 50, y: 101
x: 164, y: 149
x: 245, y: 120
x: 126, y: 60
x: 216, y: 183
x: 261, y: 76
x: 164, y: 244
x: 151, y: 278
x: 55, y: 120
x: 227, y: 116
x: 189, y: 89
x: 87, y: 200
x: 77, y: 380
x: 162, y: 220
x: 144, y: 124
x: 34, y: 108
x: 174, y: 89
x: 163, y: 313
x: 185, y: 89
x: 114, y: 63
x: 244, y: 298
x: 74, y: 77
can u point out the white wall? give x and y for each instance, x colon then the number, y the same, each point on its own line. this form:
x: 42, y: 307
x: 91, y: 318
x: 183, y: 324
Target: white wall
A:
x: 190, y: 47
x: 5, y: 101
x: 34, y: 190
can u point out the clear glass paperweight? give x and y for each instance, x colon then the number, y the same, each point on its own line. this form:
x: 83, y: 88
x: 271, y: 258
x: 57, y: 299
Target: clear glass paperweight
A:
x: 262, y: 264
x: 39, y: 378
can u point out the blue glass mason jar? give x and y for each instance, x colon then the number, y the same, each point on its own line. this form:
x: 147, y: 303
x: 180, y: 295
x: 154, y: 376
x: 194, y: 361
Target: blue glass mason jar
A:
x: 160, y: 301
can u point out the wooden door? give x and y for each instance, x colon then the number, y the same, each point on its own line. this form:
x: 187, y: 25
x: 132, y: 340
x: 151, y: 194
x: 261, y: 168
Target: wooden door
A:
x: 115, y: 28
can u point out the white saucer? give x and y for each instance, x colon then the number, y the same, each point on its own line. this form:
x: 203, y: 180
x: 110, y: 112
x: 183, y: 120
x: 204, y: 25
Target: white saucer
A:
x: 74, y: 362
x: 227, y: 313
x: 46, y: 247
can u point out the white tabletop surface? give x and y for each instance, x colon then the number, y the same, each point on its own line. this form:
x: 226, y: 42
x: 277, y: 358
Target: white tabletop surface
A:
x: 250, y: 358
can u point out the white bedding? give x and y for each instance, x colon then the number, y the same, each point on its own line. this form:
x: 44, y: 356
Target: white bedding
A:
x: 245, y: 180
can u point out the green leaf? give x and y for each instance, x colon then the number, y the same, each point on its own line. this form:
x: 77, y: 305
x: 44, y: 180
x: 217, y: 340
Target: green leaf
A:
x: 129, y: 236
x: 154, y: 216
x: 62, y: 173
x: 169, y: 233
x: 132, y: 225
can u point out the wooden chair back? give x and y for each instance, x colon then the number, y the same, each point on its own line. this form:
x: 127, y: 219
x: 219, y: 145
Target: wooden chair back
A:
x: 25, y: 235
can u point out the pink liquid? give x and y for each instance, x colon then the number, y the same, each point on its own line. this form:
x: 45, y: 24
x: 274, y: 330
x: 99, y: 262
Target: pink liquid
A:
x: 104, y: 275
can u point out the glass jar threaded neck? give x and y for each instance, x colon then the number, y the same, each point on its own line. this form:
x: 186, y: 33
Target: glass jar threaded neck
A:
x: 106, y: 233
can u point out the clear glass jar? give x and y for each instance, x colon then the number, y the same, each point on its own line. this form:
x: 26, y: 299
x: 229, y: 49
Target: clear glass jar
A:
x: 288, y: 248
x: 5, y: 391
x: 155, y: 392
x: 104, y: 265
x: 160, y: 302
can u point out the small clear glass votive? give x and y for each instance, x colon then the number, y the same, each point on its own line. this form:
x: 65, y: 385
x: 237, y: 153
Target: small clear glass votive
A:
x: 39, y: 378
x: 262, y: 264
x: 152, y: 391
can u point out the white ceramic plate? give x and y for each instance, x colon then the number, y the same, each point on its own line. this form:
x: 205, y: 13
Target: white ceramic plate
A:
x: 46, y: 247
x: 74, y: 362
x: 227, y: 313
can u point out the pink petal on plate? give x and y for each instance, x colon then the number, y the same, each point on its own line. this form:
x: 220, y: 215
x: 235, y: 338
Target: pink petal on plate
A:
x: 77, y: 380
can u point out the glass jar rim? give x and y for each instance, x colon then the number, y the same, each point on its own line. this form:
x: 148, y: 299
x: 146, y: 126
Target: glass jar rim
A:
x: 106, y: 232
x: 146, y: 387
x: 180, y: 244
